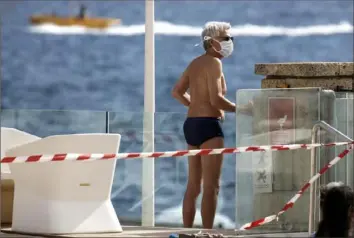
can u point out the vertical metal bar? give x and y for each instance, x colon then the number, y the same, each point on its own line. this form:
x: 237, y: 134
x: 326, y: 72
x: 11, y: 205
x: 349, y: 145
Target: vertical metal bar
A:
x: 148, y: 165
x: 350, y: 130
x: 107, y: 122
x: 349, y: 161
x: 312, y: 188
x: 328, y: 128
x: 0, y: 107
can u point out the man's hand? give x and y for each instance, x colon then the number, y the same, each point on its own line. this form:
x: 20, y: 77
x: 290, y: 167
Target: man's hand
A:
x: 246, y: 109
x: 222, y: 118
x: 249, y: 105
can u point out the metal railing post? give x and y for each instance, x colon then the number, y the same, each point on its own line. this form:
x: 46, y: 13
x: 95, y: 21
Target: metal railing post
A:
x: 107, y: 122
x: 312, y: 173
x: 315, y: 130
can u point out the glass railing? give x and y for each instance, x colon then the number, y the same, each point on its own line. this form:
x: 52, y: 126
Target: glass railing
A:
x: 170, y: 173
x: 50, y: 122
x: 253, y: 185
x: 345, y: 123
x: 266, y: 181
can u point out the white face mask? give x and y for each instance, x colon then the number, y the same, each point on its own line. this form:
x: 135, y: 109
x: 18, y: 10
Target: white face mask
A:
x: 227, y: 47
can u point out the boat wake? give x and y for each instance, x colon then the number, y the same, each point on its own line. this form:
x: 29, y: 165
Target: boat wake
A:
x: 167, y: 28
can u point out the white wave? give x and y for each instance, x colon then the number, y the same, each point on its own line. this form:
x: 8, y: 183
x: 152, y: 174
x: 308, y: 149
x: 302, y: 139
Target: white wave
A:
x: 167, y: 28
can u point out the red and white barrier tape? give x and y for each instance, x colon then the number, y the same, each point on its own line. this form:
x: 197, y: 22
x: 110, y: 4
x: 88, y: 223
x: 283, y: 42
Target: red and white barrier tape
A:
x: 89, y: 157
x: 291, y: 202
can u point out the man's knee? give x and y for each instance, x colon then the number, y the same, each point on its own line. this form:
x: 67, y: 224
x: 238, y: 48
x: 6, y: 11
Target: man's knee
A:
x: 193, y: 189
x: 211, y: 189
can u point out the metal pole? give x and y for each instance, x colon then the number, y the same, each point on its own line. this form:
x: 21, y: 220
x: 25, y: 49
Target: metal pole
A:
x: 312, y: 188
x: 148, y: 165
x: 325, y: 126
x: 0, y: 109
x: 107, y: 122
x: 349, y: 119
x: 328, y: 128
x: 349, y: 162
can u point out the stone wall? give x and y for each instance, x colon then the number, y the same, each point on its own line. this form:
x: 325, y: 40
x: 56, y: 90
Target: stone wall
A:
x: 327, y: 75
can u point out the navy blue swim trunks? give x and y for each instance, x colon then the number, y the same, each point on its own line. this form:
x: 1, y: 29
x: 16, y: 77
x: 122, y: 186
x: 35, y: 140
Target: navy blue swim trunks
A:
x: 198, y: 130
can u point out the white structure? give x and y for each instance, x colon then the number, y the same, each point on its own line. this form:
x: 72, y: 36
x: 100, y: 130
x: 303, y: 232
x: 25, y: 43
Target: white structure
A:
x: 148, y: 169
x: 66, y: 196
x: 10, y: 138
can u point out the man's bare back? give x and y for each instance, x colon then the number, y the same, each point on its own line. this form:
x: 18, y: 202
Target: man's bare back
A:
x: 198, y: 72
x: 206, y: 83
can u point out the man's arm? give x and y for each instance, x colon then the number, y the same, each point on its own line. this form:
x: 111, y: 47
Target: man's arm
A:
x: 215, y: 86
x: 224, y: 88
x: 179, y: 91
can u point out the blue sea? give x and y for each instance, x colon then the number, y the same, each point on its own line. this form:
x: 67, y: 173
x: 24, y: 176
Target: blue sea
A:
x: 89, y: 72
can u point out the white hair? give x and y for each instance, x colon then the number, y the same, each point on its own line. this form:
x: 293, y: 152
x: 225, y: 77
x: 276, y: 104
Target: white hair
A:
x: 334, y: 184
x: 213, y: 29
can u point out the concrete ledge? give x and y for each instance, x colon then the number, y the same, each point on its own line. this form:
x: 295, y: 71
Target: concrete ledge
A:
x: 306, y: 69
x: 304, y: 82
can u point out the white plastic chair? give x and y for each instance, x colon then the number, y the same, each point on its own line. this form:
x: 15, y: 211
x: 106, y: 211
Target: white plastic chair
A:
x: 11, y: 137
x: 67, y: 196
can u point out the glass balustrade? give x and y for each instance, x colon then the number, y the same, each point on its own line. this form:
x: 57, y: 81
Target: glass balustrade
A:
x: 253, y: 185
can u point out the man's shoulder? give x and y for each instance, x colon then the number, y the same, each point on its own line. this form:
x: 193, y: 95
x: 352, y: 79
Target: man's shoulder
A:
x: 204, y: 64
x: 208, y: 61
x: 214, y: 64
x: 215, y: 61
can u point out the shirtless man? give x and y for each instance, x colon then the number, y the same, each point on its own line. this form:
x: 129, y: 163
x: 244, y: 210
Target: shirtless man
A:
x: 206, y: 104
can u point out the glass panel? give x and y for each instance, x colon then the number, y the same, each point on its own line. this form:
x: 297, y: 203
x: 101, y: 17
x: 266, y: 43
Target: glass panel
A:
x: 289, y: 170
x: 343, y: 170
x: 344, y: 115
x: 52, y: 122
x: 170, y: 173
x: 127, y: 186
x: 266, y: 181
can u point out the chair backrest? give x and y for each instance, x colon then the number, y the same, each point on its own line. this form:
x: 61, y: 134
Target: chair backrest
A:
x: 10, y: 138
x: 100, y: 172
x: 74, y: 143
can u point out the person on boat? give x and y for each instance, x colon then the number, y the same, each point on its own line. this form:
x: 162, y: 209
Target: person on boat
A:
x: 206, y: 104
x: 336, y: 204
x: 82, y: 13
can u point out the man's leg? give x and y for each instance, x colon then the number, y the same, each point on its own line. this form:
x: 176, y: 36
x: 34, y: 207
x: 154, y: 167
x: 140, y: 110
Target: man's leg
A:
x: 193, y: 188
x: 211, y: 167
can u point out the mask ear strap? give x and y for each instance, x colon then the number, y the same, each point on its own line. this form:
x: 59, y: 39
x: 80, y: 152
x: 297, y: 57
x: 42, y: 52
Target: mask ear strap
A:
x: 198, y: 44
x: 205, y: 38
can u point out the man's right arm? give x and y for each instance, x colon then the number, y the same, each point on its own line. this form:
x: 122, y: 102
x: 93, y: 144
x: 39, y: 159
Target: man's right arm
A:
x: 214, y: 80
